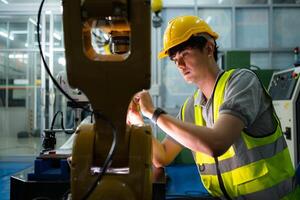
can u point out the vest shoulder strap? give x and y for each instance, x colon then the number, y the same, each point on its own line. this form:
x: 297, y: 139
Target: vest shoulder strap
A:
x: 219, y: 92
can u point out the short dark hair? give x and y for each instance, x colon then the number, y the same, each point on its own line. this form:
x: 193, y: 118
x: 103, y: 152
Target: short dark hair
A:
x: 194, y: 42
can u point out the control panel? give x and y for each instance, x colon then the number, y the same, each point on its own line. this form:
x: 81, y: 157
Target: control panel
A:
x: 283, y: 85
x: 285, y: 92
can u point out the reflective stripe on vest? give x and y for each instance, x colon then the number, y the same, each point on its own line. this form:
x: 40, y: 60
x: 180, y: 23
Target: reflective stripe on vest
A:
x: 251, y: 167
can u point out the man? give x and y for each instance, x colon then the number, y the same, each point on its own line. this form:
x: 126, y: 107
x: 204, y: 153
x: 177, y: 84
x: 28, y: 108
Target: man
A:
x: 229, y: 122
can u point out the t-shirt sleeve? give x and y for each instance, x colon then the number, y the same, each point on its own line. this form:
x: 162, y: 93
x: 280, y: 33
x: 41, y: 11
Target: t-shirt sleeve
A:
x: 242, y: 96
x: 179, y: 114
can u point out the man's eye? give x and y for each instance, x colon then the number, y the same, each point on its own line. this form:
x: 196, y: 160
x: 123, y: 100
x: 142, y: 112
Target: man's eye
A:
x: 185, y: 54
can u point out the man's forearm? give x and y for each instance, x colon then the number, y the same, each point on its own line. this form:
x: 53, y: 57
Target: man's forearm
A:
x: 158, y: 154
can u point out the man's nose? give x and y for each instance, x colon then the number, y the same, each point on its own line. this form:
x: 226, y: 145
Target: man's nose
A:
x: 181, y: 63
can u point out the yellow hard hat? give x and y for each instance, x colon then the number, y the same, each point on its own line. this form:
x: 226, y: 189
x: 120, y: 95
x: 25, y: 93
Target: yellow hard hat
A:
x: 180, y: 29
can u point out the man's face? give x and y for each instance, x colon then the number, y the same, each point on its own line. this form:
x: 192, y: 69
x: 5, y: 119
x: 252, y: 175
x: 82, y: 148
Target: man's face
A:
x: 189, y: 63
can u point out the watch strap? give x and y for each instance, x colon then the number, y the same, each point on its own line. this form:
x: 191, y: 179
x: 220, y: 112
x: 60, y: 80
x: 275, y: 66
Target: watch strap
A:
x: 156, y: 114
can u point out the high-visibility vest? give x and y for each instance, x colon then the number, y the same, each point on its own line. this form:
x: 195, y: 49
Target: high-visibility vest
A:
x: 252, y: 167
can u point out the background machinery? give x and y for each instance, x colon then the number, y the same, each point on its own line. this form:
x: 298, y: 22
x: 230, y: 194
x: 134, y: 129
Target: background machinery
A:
x: 284, y: 89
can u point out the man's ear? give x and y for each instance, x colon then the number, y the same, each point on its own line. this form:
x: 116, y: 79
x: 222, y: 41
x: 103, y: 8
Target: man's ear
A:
x: 210, y: 48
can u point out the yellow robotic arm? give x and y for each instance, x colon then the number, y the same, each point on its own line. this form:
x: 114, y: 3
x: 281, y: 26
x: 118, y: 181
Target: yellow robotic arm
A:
x: 107, y: 46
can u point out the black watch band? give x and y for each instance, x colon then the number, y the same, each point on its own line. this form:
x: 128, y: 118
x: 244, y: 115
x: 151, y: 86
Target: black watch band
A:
x: 156, y: 114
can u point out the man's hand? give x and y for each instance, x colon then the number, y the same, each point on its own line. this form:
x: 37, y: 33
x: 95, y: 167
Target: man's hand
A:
x: 134, y: 116
x: 145, y: 102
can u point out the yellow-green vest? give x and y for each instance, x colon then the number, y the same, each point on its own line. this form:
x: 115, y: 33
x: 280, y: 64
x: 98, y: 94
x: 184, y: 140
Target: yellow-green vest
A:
x: 251, y: 165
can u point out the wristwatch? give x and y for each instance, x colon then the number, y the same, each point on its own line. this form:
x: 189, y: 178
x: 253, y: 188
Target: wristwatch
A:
x: 156, y: 114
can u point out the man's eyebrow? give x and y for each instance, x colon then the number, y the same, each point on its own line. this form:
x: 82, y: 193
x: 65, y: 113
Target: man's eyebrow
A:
x: 172, y: 57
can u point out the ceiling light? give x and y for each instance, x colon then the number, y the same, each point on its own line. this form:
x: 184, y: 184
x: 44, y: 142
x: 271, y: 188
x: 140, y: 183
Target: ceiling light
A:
x: 62, y: 61
x: 32, y: 21
x: 208, y: 19
x: 4, y: 1
x: 57, y: 36
x: 3, y: 34
x: 18, y: 55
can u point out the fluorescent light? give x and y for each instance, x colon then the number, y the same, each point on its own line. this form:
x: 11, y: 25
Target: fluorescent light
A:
x: 11, y: 37
x: 208, y: 19
x: 4, y: 1
x: 57, y: 36
x: 18, y: 32
x: 32, y: 21
x: 47, y: 54
x: 48, y: 12
x: 19, y: 56
x: 21, y: 82
x: 61, y: 61
x: 220, y: 1
x: 3, y: 34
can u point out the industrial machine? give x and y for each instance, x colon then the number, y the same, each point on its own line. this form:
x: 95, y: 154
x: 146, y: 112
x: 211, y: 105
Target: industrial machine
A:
x: 284, y: 89
x: 242, y: 59
x: 107, y: 46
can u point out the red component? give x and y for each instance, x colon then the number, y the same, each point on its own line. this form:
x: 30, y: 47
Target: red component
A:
x: 52, y: 152
x: 294, y: 75
x: 296, y: 50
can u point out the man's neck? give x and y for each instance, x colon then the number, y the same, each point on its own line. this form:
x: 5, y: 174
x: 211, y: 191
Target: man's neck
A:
x: 207, y: 83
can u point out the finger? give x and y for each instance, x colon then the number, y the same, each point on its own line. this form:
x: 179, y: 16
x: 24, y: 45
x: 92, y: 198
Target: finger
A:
x: 136, y: 99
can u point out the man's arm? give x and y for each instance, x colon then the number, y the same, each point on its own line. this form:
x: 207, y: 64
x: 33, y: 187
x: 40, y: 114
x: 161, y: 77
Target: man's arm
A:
x: 213, y: 141
x: 165, y: 152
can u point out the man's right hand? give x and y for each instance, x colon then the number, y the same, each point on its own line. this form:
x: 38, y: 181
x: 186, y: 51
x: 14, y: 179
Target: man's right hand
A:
x: 134, y: 116
x: 144, y: 100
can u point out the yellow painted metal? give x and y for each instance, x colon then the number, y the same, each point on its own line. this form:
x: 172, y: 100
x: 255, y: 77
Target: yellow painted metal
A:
x: 156, y: 5
x: 109, y: 81
x: 135, y: 185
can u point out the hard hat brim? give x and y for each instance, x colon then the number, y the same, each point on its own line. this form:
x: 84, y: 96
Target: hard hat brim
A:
x: 162, y: 54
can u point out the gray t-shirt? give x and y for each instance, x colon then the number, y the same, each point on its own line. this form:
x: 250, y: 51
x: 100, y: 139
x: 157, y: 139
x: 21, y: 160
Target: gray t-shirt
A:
x: 244, y: 98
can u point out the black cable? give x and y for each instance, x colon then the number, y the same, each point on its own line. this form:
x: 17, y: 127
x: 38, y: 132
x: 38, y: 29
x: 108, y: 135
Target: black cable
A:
x: 111, y: 153
x: 63, y: 126
x: 107, y: 162
x: 53, y: 120
x: 46, y: 65
x: 92, y: 116
x: 61, y: 122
